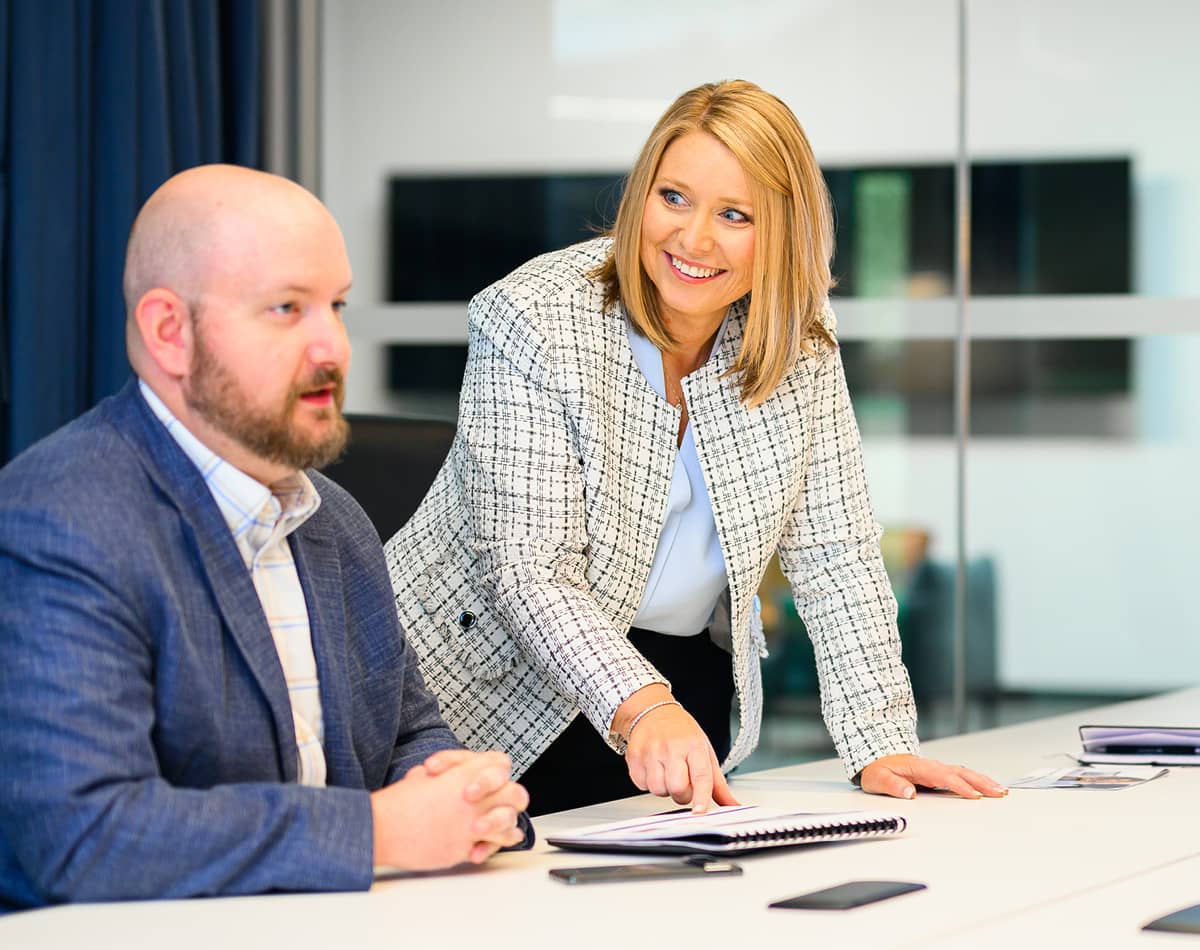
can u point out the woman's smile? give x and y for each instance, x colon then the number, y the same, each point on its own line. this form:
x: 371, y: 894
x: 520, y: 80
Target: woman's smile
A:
x: 697, y: 241
x: 692, y: 272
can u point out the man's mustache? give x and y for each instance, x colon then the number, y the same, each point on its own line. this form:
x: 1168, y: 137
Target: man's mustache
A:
x: 321, y: 378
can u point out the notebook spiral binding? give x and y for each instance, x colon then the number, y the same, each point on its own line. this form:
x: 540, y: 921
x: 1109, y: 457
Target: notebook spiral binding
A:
x: 833, y: 831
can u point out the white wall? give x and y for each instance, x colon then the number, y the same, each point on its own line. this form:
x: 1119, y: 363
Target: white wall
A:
x: 1095, y: 541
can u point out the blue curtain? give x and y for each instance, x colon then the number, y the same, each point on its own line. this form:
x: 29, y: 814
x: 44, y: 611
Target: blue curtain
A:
x: 102, y: 101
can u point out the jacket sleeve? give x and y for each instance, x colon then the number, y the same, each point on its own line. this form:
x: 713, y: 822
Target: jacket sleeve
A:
x: 830, y: 552
x: 85, y: 813
x: 523, y: 486
x: 422, y: 730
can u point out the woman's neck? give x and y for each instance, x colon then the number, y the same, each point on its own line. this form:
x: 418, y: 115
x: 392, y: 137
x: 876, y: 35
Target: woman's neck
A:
x: 693, y: 341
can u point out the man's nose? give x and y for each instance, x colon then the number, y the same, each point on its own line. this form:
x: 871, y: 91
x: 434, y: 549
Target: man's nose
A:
x: 329, y: 343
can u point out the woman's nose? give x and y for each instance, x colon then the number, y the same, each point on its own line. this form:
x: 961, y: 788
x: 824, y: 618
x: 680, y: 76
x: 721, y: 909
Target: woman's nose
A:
x: 697, y: 234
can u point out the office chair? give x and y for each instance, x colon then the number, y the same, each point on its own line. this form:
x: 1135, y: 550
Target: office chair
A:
x: 389, y: 465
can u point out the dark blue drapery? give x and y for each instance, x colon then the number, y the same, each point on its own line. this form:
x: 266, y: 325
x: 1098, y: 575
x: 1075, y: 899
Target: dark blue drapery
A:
x: 100, y: 102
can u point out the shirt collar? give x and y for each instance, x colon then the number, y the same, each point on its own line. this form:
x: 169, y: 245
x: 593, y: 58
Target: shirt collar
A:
x: 256, y: 514
x: 649, y: 358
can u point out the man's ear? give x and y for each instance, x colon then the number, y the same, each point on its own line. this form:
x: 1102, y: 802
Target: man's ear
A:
x: 164, y: 324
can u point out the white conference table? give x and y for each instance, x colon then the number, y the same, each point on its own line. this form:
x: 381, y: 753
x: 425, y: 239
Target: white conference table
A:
x: 1038, y: 868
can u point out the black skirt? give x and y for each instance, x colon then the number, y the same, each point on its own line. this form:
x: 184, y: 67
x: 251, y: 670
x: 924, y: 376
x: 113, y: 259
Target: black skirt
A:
x: 580, y: 769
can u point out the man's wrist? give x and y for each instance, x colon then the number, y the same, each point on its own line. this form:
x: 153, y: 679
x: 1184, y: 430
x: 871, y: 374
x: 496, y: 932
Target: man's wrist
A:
x: 378, y: 852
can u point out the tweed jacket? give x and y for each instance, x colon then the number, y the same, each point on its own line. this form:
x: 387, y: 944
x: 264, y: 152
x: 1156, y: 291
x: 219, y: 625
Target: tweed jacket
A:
x: 519, y: 575
x: 147, y: 746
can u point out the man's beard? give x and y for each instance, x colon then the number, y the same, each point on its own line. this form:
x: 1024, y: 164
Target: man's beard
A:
x: 213, y: 394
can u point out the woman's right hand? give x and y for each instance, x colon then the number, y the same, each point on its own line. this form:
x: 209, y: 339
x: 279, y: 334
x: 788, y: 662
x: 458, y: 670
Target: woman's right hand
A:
x: 669, y: 754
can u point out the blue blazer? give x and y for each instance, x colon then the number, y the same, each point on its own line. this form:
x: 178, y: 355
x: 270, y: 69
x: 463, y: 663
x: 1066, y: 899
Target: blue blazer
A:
x: 146, y: 738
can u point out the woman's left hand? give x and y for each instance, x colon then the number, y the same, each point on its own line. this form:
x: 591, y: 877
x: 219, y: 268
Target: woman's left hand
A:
x: 898, y: 776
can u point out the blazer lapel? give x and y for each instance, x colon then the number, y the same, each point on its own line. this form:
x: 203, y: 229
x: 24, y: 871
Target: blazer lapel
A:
x: 233, y: 590
x: 634, y: 470
x: 750, y: 459
x: 317, y: 563
x: 229, y: 580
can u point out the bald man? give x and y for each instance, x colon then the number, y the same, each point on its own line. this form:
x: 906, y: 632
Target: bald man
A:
x: 203, y: 686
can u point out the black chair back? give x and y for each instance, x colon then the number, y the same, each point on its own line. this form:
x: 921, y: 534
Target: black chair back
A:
x: 390, y: 464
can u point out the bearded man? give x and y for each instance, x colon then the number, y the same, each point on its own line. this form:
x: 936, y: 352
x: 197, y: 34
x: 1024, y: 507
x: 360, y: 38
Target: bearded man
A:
x: 203, y: 686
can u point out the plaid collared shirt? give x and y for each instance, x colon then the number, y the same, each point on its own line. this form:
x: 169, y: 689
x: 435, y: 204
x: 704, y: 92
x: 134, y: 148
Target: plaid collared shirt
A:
x: 261, y: 519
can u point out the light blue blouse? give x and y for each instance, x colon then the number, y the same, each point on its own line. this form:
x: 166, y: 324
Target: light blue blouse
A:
x: 688, y: 575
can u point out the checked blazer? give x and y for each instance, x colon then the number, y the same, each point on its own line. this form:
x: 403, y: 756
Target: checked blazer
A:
x: 518, y: 577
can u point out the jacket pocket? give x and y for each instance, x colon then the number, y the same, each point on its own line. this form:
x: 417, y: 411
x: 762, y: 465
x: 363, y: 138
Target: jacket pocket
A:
x: 469, y: 625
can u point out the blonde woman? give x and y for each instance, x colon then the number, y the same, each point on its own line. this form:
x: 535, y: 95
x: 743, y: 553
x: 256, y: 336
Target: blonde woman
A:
x: 645, y: 420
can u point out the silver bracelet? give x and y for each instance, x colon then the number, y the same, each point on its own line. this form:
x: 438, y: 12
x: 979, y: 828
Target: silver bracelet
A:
x: 622, y: 741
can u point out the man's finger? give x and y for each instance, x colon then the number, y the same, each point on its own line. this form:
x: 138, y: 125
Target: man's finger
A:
x: 443, y: 761
x: 481, y: 851
x: 486, y: 782
x: 512, y: 795
x: 496, y: 825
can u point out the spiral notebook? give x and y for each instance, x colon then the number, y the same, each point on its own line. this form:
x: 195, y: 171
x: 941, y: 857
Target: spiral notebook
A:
x: 729, y: 828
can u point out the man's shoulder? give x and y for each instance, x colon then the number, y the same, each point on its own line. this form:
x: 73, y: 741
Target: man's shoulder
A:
x: 88, y: 459
x: 342, y: 514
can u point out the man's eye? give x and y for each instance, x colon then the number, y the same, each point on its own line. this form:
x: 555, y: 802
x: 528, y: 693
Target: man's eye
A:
x: 284, y: 309
x: 339, y: 306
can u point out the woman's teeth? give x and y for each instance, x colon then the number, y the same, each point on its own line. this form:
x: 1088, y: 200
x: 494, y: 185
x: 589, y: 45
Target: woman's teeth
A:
x: 691, y: 270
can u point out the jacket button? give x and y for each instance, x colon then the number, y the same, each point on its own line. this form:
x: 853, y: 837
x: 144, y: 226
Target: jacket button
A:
x: 466, y: 620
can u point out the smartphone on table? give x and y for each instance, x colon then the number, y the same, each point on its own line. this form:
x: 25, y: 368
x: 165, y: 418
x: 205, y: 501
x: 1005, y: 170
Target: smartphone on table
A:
x: 848, y: 895
x: 692, y: 866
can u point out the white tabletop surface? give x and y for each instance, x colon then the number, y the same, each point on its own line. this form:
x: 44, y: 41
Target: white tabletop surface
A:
x: 1039, y: 868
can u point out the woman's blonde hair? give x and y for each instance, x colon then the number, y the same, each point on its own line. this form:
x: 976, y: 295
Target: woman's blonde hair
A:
x: 793, y: 229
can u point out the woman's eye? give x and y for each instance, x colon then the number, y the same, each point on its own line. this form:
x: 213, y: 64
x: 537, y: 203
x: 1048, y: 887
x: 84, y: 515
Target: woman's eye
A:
x: 284, y: 308
x: 736, y: 217
x: 672, y: 197
x: 339, y: 306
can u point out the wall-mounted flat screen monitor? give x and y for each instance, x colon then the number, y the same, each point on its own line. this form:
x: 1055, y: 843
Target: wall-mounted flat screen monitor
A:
x: 1037, y: 227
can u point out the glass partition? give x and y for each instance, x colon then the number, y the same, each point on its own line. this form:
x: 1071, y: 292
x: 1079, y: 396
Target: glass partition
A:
x: 460, y: 139
x: 1084, y: 507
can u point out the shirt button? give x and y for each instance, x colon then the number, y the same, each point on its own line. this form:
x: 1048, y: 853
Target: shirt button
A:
x: 466, y: 620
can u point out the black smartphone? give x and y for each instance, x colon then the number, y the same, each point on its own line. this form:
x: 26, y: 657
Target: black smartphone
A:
x: 1186, y: 921
x: 850, y: 894
x: 655, y: 870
